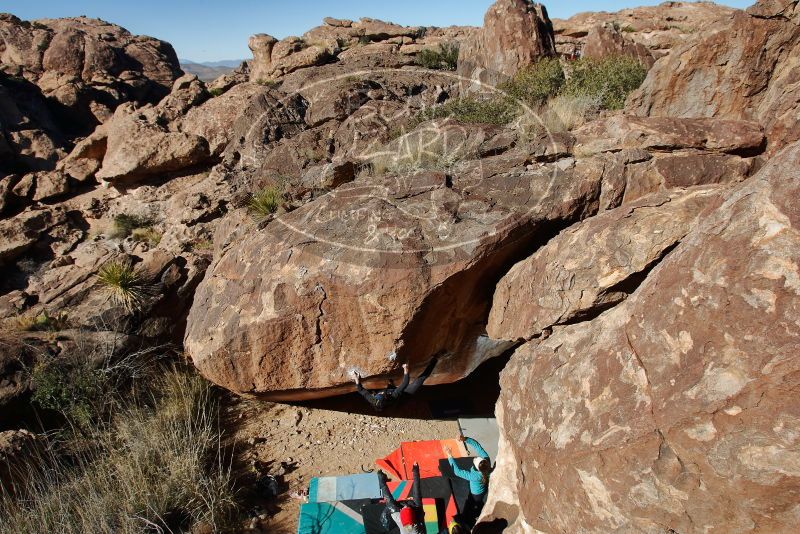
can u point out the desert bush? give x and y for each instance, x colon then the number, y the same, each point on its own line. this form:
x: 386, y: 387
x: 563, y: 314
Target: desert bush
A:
x: 443, y: 58
x: 148, y: 235
x: 265, y: 202
x: 43, y: 322
x: 268, y: 83
x: 487, y: 110
x: 159, y: 467
x: 128, y: 286
x: 610, y: 79
x: 535, y: 84
x: 76, y: 389
x: 216, y: 91
x: 125, y: 224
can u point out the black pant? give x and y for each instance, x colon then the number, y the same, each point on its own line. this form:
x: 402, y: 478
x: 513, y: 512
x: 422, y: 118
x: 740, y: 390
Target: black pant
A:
x: 414, y: 386
x: 474, y: 507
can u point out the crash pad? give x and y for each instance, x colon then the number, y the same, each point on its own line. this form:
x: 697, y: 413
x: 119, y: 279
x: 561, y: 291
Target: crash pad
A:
x: 427, y: 454
x: 344, y: 517
x: 439, y: 488
x: 372, y: 518
x: 344, y: 488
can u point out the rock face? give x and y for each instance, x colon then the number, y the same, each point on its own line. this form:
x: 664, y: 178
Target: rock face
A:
x: 676, y: 408
x: 593, y: 265
x: 30, y: 137
x: 659, y: 28
x: 86, y: 65
x: 746, y: 70
x: 637, y: 156
x: 515, y: 34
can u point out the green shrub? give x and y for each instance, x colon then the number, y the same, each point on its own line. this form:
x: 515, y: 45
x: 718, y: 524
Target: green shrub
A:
x: 125, y: 224
x: 535, y: 84
x: 265, y: 202
x: 445, y: 58
x: 75, y: 389
x: 128, y: 286
x: 610, y: 79
x: 493, y: 110
x: 216, y: 91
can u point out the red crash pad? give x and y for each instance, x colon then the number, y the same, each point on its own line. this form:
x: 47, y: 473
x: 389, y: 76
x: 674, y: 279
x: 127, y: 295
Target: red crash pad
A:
x: 427, y: 454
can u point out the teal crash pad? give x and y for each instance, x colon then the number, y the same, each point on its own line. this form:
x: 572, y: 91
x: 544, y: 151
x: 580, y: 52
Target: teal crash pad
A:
x: 331, y: 518
x: 344, y: 488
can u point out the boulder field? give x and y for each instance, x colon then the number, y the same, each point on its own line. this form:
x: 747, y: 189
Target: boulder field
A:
x: 301, y: 219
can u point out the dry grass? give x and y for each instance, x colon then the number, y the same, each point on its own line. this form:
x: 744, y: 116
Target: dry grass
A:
x: 158, y: 468
x: 561, y: 113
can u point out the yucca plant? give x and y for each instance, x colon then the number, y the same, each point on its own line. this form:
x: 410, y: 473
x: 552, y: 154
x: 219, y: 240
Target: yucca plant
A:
x: 265, y: 202
x: 127, y: 285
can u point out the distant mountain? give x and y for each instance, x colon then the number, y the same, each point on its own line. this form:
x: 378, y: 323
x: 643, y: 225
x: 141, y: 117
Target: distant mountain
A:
x: 209, y: 70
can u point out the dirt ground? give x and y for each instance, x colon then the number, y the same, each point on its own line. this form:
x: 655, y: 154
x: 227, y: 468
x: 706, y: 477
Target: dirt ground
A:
x: 338, y: 436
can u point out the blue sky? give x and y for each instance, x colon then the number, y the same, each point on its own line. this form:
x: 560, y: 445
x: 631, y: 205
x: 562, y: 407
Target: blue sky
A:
x: 208, y: 30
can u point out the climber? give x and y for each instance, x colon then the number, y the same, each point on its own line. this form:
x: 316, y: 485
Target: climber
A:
x: 477, y: 476
x: 409, y: 516
x: 382, y: 399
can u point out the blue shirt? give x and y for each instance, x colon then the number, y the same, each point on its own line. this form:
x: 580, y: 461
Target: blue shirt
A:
x: 475, y: 477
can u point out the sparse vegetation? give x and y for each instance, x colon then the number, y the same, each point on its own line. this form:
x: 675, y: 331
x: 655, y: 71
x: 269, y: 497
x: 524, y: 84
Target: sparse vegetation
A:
x: 128, y: 286
x: 202, y: 245
x: 158, y: 466
x: 628, y: 29
x: 610, y: 79
x: 490, y: 110
x: 125, y: 224
x: 43, y: 322
x: 148, y: 235
x: 443, y: 58
x: 265, y: 202
x: 216, y: 91
x: 268, y: 83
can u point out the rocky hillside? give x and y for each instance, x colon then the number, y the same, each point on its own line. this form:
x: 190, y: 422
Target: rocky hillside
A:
x: 356, y: 197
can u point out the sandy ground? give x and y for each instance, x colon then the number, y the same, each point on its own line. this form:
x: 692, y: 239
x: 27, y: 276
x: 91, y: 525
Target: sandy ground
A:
x: 337, y: 436
x: 311, y: 442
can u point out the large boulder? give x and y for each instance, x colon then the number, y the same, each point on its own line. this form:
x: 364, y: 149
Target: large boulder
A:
x: 364, y: 277
x: 515, y: 34
x: 87, y: 65
x: 138, y: 147
x: 677, y: 408
x: 606, y: 41
x: 746, y: 70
